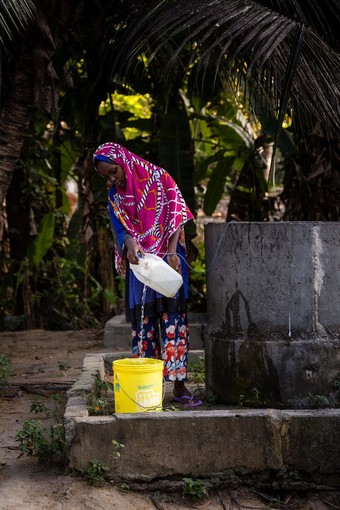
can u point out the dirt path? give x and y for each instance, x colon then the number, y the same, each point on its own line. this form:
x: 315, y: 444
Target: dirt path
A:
x: 46, y: 363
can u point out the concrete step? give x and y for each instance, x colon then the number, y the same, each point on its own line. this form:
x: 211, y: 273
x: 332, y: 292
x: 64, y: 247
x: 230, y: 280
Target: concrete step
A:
x: 117, y: 332
x: 232, y: 445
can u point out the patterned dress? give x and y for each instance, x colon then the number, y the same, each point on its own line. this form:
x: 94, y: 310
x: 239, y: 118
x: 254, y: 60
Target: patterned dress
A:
x: 150, y: 209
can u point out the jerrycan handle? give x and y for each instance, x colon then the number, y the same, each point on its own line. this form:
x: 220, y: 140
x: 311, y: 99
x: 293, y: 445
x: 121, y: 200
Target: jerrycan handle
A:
x: 144, y: 267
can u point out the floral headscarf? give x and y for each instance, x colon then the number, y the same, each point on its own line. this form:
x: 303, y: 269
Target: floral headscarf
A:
x: 151, y: 207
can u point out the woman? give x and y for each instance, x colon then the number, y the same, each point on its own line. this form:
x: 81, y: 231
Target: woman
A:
x: 148, y: 214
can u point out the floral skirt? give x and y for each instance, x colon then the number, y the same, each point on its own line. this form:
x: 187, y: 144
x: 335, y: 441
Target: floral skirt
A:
x: 173, y: 328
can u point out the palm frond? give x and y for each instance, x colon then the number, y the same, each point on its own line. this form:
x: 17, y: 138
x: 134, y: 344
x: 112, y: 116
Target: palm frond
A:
x: 14, y: 16
x: 249, y: 40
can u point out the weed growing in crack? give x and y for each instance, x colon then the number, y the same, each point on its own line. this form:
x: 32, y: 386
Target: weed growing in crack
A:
x: 98, y: 406
x: 103, y: 387
x: 195, y: 489
x: 256, y: 395
x: 116, y: 447
x: 97, y: 401
x: 197, y: 370
x: 211, y: 399
x: 241, y: 400
x: 319, y: 401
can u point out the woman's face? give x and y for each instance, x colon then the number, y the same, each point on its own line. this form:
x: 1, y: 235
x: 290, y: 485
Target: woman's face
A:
x: 114, y: 174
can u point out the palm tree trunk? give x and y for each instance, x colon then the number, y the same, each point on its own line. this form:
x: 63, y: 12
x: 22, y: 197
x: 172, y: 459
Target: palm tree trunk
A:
x: 15, y: 118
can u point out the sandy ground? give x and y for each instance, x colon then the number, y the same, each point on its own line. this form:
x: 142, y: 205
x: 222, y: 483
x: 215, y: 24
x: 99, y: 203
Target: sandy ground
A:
x: 46, y: 363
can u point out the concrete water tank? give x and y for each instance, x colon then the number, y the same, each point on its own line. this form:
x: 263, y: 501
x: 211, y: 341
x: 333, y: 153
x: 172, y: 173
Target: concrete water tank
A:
x: 273, y: 298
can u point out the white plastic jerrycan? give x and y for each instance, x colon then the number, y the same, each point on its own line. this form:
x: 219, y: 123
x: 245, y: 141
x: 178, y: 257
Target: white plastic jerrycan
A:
x: 157, y: 274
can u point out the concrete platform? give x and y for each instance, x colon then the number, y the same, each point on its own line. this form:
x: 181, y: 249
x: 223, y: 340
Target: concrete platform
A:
x: 274, y: 311
x: 227, y: 444
x: 117, y: 332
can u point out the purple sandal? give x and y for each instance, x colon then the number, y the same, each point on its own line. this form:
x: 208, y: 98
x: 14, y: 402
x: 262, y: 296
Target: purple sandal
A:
x: 188, y: 401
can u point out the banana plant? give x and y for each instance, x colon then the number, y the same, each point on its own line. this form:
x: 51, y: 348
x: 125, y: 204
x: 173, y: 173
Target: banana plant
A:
x: 43, y: 240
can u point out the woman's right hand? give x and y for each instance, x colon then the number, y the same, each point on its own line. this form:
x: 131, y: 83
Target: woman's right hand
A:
x: 134, y: 251
x: 175, y: 262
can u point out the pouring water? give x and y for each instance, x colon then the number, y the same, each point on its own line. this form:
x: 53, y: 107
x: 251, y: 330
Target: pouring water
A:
x: 140, y: 343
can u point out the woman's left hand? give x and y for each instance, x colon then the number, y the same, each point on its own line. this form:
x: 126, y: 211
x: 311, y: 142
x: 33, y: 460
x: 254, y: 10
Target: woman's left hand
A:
x: 175, y: 262
x: 134, y: 251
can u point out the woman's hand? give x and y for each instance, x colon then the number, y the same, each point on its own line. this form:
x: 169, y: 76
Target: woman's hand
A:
x: 173, y: 259
x: 134, y: 251
x: 175, y: 262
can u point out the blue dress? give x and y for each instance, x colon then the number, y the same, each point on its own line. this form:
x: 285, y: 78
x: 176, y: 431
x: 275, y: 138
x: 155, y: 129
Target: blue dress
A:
x: 155, y: 303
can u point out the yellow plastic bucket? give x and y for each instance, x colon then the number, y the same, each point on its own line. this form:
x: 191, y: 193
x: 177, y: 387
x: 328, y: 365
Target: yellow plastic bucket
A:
x: 138, y: 385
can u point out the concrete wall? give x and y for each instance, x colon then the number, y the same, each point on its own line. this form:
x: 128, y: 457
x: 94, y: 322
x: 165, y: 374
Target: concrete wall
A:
x: 230, y: 445
x: 274, y: 311
x: 212, y: 443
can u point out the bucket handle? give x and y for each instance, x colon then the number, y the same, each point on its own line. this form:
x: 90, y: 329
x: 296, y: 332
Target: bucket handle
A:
x: 140, y: 405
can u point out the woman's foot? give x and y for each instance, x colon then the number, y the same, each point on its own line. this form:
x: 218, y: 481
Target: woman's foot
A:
x: 180, y: 390
x: 183, y: 395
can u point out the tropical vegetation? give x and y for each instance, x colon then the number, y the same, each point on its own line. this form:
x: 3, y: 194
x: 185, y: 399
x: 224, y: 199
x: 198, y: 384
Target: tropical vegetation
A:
x: 237, y: 98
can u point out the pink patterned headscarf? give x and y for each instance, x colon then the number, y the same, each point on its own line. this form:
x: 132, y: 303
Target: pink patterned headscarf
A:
x: 151, y: 207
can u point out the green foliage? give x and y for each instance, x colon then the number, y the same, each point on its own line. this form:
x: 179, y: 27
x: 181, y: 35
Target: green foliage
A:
x: 102, y: 387
x: 221, y: 146
x: 241, y: 400
x: 247, y: 196
x: 132, y: 113
x: 5, y: 369
x: 61, y: 298
x: 269, y: 124
x: 256, y: 395
x: 62, y: 293
x: 116, y: 447
x: 195, y: 489
x: 98, y: 406
x: 31, y: 438
x: 211, y: 399
x: 97, y: 401
x: 96, y: 471
x: 175, y: 152
x: 196, y: 368
x: 38, y: 407
x: 197, y: 279
x: 319, y: 401
x: 56, y: 397
x: 44, y: 240
x: 188, y: 124
x: 171, y: 408
x: 63, y: 366
x: 294, y: 474
x: 216, y: 184
x: 37, y: 441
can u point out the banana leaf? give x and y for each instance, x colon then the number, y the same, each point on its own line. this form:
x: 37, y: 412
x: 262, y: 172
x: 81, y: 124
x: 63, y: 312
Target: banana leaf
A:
x: 44, y: 240
x: 216, y: 186
x: 175, y: 152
